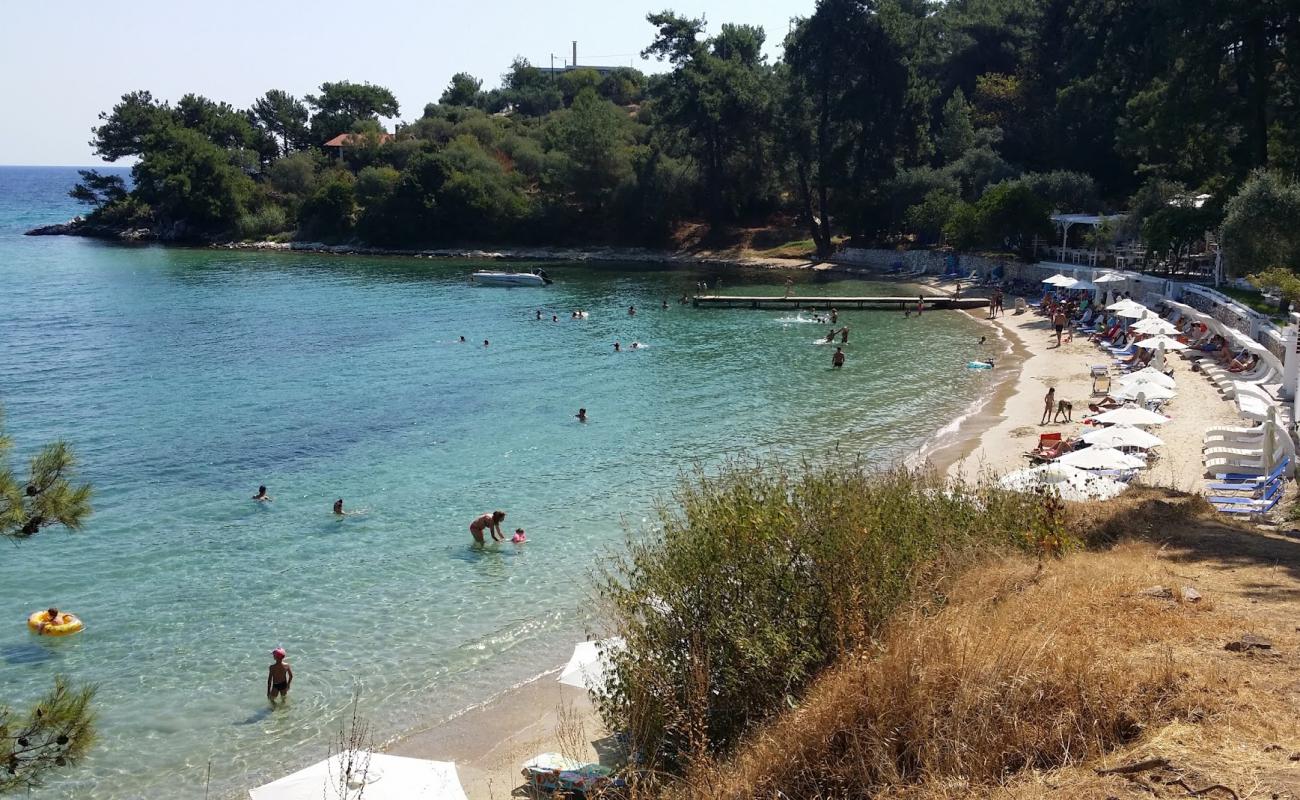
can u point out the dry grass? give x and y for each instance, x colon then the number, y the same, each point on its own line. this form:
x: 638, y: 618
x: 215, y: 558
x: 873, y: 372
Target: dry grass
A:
x: 1025, y: 668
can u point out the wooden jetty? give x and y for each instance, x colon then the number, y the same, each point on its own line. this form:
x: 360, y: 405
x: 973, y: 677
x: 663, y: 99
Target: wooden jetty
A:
x: 812, y: 302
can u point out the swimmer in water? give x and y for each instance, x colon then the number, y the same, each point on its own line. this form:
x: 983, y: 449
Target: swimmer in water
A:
x: 837, y: 360
x: 492, y: 522
x: 665, y: 305
x: 555, y: 318
x: 830, y: 337
x: 539, y: 314
x: 982, y: 339
x: 835, y: 316
x: 631, y: 311
x: 581, y: 415
x: 617, y: 348
x: 486, y: 343
x: 338, y: 508
x: 262, y: 496
x: 520, y: 537
x: 636, y: 345
x: 462, y: 340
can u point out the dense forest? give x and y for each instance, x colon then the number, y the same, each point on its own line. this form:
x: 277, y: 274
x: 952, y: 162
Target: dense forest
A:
x: 895, y: 121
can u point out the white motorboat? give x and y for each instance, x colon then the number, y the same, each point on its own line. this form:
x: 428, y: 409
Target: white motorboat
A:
x: 537, y: 277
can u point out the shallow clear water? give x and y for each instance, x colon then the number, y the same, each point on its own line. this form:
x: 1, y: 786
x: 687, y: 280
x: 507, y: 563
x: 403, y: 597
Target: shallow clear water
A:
x: 185, y: 378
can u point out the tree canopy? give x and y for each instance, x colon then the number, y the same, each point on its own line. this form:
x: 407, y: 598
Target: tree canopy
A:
x: 883, y: 121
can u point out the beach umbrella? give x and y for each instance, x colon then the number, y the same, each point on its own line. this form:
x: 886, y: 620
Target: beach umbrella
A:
x: 1109, y: 277
x: 589, y: 663
x: 1101, y: 458
x: 1070, y: 483
x: 1130, y: 415
x: 1132, y: 312
x: 1056, y: 279
x: 377, y: 776
x: 1082, y: 286
x: 1148, y: 375
x: 1161, y: 341
x: 1122, y: 436
x: 1155, y: 325
x: 1146, y: 391
x: 1120, y: 305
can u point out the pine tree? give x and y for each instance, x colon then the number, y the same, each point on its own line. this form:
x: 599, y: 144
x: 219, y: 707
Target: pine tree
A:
x: 60, y: 728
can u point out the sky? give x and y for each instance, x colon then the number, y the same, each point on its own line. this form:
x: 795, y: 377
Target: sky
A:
x: 64, y: 62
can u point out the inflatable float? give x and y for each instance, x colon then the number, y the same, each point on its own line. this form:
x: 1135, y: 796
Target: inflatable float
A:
x: 979, y: 365
x: 64, y: 624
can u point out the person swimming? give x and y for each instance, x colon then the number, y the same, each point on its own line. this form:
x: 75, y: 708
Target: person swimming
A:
x: 279, y: 677
x: 262, y: 496
x: 486, y: 343
x: 581, y: 415
x: 492, y: 522
x: 520, y: 537
x: 539, y: 314
x: 462, y: 340
x: 631, y: 311
x: 52, y: 617
x: 617, y: 348
x: 636, y: 345
x: 338, y: 508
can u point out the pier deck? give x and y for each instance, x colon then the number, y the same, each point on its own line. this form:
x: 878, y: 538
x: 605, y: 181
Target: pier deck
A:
x: 813, y: 302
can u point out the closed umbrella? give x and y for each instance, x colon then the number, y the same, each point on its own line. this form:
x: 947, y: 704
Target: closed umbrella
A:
x: 589, y: 663
x: 1131, y: 415
x: 1069, y: 483
x: 1101, y: 458
x: 1122, y: 436
x: 1161, y: 341
x: 376, y: 776
x: 1148, y: 375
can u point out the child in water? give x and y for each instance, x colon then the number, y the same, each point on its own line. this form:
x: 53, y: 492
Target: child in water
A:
x: 519, y: 537
x: 279, y: 677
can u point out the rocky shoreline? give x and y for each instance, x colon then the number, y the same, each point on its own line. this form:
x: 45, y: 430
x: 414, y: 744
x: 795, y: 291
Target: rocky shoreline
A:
x: 599, y: 253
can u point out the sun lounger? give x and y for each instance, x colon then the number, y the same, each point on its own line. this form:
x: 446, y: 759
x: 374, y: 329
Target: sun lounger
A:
x: 1249, y: 507
x: 1250, y: 481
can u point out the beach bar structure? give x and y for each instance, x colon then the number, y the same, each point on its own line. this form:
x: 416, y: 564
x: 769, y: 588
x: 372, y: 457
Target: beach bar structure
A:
x: 826, y: 302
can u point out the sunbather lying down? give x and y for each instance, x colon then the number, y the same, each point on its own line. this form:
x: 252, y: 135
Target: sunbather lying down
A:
x: 1052, y: 450
x: 1104, y: 404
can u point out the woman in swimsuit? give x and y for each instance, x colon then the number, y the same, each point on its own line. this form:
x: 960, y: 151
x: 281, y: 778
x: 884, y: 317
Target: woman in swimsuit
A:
x: 492, y: 522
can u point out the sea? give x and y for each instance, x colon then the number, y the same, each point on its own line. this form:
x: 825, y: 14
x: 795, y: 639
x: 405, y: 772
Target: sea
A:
x: 184, y: 378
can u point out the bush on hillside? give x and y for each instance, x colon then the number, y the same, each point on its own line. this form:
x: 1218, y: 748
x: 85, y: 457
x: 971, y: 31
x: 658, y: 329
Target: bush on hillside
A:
x: 761, y: 577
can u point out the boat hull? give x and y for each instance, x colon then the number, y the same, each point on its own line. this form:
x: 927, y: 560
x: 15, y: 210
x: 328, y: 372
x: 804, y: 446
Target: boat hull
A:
x: 508, y: 279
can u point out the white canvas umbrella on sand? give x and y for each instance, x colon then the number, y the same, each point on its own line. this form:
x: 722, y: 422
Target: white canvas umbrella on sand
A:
x: 1057, y: 279
x: 1155, y: 325
x: 1109, y: 277
x: 1131, y: 415
x: 1161, y: 341
x: 1120, y: 305
x: 1122, y: 436
x: 1070, y: 483
x: 1146, y: 391
x: 1132, y: 312
x: 1101, y: 458
x: 376, y: 776
x: 589, y: 663
x: 1148, y: 375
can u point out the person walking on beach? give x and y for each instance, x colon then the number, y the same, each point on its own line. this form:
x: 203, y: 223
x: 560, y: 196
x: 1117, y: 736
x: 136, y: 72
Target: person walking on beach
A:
x: 1049, y: 405
x: 279, y: 677
x: 491, y: 522
x: 837, y: 360
x: 1058, y: 322
x: 262, y: 496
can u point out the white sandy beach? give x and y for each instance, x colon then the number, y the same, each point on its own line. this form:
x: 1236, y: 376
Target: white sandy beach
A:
x: 1014, y: 430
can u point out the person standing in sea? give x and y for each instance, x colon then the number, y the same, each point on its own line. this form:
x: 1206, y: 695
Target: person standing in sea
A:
x: 837, y: 360
x: 491, y: 522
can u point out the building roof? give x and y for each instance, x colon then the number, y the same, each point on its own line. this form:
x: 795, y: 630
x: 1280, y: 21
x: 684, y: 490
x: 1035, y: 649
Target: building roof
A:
x: 347, y: 139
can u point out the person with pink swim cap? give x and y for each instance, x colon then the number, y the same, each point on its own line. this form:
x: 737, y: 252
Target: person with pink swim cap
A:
x: 279, y: 677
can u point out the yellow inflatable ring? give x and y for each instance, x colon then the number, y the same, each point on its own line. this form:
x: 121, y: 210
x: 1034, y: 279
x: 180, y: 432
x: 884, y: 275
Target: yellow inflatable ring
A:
x: 67, y: 624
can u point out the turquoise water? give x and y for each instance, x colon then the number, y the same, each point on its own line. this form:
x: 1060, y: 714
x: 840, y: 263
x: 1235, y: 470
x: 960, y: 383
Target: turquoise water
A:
x: 185, y: 378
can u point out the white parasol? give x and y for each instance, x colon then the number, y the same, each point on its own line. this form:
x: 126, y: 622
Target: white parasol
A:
x: 1069, y: 483
x: 1109, y: 277
x: 1131, y: 415
x: 376, y: 776
x: 1145, y: 391
x: 1101, y: 458
x: 1122, y: 436
x: 1161, y: 341
x: 589, y: 663
x: 1148, y: 375
x: 1155, y: 325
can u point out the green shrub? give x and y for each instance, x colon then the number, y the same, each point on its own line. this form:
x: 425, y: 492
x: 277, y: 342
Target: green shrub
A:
x: 761, y: 577
x: 265, y: 221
